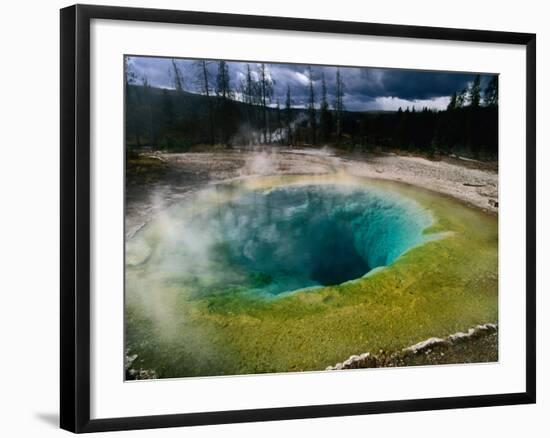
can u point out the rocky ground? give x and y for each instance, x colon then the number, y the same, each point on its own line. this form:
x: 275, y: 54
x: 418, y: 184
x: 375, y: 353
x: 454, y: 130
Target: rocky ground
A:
x: 478, y: 345
x: 156, y: 180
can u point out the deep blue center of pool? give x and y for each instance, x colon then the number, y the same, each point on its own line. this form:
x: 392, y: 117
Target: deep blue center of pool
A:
x: 295, y: 237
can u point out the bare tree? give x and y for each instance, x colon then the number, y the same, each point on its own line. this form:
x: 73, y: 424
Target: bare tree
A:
x: 224, y: 93
x: 223, y: 88
x: 177, y: 77
x: 265, y: 91
x: 325, y: 116
x: 133, y: 125
x: 149, y: 102
x: 311, y: 107
x: 203, y: 82
x: 288, y: 116
x: 249, y: 87
x: 279, y: 124
x: 339, y: 104
x: 130, y: 76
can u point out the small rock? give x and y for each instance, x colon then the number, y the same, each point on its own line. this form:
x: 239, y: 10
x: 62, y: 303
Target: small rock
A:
x: 129, y: 360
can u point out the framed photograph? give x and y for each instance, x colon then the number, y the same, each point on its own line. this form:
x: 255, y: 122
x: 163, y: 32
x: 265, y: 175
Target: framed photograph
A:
x: 268, y: 218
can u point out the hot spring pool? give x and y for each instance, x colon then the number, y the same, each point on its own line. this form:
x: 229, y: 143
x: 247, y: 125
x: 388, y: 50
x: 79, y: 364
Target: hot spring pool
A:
x: 277, y: 240
x: 295, y: 273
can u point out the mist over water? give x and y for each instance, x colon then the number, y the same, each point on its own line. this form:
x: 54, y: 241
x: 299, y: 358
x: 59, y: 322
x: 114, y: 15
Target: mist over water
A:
x: 271, y: 241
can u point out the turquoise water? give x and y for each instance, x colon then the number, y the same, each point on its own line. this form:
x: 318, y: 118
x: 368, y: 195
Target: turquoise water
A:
x: 269, y: 242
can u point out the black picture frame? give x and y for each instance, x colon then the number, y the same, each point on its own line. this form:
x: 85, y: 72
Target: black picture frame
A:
x: 75, y: 217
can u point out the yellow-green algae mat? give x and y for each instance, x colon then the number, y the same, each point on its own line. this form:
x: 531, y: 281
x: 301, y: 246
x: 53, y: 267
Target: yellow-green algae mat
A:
x: 445, y: 284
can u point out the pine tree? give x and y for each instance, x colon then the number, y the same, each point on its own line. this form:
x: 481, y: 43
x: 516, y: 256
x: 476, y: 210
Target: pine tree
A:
x: 474, y: 92
x: 452, y: 103
x: 490, y: 96
x: 461, y: 98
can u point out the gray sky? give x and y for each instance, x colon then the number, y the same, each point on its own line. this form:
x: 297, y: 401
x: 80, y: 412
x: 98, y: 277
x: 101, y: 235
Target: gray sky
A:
x: 366, y: 88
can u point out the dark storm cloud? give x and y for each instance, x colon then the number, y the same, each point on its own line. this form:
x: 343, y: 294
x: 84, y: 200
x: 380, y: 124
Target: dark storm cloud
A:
x: 365, y: 88
x: 408, y: 84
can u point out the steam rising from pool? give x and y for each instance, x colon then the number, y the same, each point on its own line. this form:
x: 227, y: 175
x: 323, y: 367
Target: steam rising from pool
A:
x: 271, y: 241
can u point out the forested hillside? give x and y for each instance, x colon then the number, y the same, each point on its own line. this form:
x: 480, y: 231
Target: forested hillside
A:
x: 176, y: 120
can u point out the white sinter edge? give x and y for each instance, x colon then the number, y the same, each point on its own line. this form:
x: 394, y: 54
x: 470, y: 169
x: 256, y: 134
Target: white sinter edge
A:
x: 419, y: 347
